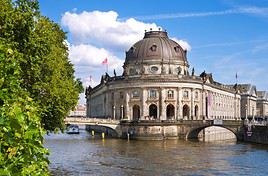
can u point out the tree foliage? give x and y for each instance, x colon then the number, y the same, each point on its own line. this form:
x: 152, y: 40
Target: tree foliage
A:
x: 37, y: 86
x: 21, y: 134
x: 47, y: 73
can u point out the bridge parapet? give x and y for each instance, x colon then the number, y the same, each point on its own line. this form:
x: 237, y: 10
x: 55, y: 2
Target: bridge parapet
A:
x: 90, y: 121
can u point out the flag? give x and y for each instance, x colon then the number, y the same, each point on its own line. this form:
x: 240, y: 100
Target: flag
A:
x: 105, y: 61
x: 90, y: 78
x: 236, y: 75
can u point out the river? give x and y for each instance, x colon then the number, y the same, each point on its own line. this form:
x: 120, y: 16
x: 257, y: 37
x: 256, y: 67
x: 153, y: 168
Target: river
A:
x: 76, y: 155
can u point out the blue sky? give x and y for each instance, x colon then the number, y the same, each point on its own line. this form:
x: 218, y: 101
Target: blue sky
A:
x: 223, y: 36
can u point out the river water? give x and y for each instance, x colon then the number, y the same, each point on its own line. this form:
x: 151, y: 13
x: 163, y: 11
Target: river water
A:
x: 83, y: 155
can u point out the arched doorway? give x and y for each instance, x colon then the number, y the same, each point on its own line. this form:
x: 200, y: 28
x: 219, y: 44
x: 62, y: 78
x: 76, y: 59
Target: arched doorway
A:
x: 170, y: 112
x: 136, y: 112
x: 196, y: 113
x: 186, y: 111
x: 153, y: 111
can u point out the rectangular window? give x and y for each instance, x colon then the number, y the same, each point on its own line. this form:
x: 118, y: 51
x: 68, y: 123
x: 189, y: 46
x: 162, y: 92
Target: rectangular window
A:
x: 170, y: 94
x: 196, y: 95
x: 135, y: 94
x: 152, y: 94
x: 185, y: 94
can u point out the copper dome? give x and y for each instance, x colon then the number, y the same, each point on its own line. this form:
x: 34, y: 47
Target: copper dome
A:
x: 157, y: 47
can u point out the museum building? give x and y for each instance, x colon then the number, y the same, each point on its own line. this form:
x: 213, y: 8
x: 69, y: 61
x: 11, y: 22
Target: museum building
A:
x: 156, y: 85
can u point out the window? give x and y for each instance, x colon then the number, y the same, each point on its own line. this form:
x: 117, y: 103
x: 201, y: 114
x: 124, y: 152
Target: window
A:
x: 153, y: 47
x: 196, y: 95
x: 177, y: 48
x: 170, y: 94
x: 135, y: 94
x: 154, y: 69
x: 121, y: 95
x: 132, y: 71
x: 178, y: 70
x: 185, y: 94
x: 152, y: 94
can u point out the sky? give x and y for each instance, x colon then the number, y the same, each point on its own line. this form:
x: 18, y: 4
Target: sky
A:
x: 223, y: 37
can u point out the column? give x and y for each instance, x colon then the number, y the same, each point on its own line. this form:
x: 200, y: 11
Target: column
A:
x: 235, y: 107
x: 209, y: 103
x: 106, y: 110
x: 121, y: 112
x: 162, y: 107
x: 179, y: 104
x: 192, y: 105
x: 144, y: 107
x: 204, y: 104
x: 127, y: 114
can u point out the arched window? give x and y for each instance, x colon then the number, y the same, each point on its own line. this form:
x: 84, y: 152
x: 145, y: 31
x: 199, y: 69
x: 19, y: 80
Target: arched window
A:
x: 153, y: 111
x: 196, y: 113
x: 186, y: 111
x: 170, y: 112
x: 136, y: 112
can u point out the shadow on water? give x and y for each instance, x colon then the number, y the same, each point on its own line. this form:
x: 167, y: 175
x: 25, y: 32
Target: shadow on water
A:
x: 83, y: 155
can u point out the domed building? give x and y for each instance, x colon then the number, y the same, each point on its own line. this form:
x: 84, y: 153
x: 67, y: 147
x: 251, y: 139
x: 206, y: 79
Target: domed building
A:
x: 156, y: 85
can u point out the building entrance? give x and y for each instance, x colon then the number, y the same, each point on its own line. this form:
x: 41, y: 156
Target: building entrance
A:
x: 153, y: 111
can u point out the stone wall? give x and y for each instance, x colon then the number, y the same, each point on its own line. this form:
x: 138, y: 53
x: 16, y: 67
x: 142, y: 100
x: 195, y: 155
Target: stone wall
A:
x: 259, y: 135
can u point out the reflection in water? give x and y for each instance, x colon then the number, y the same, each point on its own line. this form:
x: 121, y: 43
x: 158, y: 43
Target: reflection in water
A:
x: 84, y: 155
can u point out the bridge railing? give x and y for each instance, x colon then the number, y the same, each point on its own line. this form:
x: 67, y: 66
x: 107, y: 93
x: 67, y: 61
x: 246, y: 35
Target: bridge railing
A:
x: 90, y: 120
x: 256, y: 123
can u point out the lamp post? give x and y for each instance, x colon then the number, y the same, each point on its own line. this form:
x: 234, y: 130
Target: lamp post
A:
x: 246, y: 108
x: 113, y: 112
x: 122, y: 111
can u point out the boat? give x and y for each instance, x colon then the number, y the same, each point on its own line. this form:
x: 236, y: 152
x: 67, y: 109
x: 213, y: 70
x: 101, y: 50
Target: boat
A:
x: 72, y: 129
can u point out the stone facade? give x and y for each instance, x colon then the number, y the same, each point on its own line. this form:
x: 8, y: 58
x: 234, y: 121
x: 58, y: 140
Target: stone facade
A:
x: 80, y: 110
x: 262, y: 103
x: 156, y: 85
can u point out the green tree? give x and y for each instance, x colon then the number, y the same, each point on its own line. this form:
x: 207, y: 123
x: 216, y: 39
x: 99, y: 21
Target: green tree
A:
x: 47, y: 73
x: 21, y: 133
x: 37, y: 86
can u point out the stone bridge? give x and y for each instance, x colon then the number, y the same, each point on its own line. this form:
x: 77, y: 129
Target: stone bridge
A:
x: 156, y: 129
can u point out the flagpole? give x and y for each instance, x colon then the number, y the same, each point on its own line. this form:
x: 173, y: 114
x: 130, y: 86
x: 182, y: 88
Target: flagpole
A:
x: 107, y: 67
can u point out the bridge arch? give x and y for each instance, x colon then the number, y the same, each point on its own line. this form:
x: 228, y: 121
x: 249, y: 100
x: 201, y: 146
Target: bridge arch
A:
x: 107, y: 130
x: 193, y: 132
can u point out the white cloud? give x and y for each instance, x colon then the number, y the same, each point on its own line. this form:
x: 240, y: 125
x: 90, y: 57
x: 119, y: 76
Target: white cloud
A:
x: 86, y: 54
x: 105, y: 29
x: 90, y: 81
x: 87, y: 60
x: 184, y: 44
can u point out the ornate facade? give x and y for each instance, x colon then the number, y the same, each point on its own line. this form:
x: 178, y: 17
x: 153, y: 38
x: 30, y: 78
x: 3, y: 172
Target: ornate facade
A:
x: 156, y: 85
